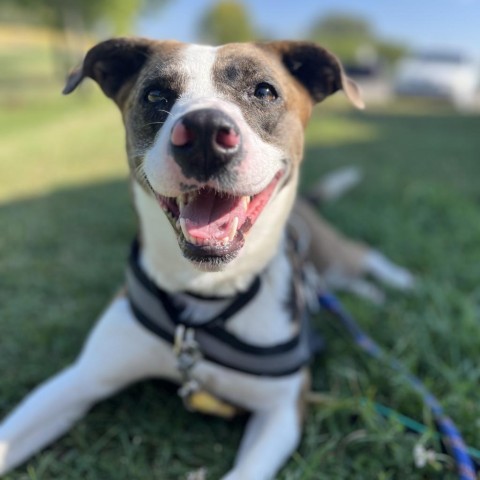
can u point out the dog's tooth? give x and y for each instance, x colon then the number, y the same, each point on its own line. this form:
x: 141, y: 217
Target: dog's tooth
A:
x: 183, y: 226
x: 233, y: 229
x: 182, y: 200
x: 245, y: 202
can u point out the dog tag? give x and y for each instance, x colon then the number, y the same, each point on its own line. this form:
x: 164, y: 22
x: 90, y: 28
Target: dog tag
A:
x: 201, y: 401
x: 194, y: 398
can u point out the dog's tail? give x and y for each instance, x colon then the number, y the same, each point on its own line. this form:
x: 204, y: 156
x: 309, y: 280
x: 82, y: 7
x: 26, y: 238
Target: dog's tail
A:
x: 333, y: 185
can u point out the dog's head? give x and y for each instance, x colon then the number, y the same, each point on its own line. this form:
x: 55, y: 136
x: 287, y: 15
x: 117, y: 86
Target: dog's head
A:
x: 215, y: 135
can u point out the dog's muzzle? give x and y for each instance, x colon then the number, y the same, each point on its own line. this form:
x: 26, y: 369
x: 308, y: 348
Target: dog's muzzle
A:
x: 215, y: 211
x: 205, y: 143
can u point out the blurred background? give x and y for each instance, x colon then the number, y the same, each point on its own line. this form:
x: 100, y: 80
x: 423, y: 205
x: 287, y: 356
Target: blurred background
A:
x: 409, y: 49
x: 66, y: 221
x: 421, y: 58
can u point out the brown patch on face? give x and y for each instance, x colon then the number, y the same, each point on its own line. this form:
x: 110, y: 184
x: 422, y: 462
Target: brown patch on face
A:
x: 162, y: 74
x: 127, y: 69
x: 238, y: 70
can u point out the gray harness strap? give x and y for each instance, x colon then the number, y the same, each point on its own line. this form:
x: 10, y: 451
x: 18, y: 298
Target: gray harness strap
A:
x: 155, y: 310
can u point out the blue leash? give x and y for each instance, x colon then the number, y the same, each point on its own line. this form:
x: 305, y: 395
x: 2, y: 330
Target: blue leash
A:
x: 450, y: 435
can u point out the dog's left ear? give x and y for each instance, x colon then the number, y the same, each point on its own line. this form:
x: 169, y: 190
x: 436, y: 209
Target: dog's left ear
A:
x: 318, y: 70
x: 111, y: 63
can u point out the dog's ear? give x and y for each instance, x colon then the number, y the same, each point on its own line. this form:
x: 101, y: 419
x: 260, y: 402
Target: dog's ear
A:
x: 318, y: 70
x: 111, y: 63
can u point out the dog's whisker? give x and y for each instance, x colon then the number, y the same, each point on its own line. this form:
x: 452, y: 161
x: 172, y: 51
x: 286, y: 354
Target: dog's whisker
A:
x: 140, y: 174
x: 139, y: 170
x: 158, y: 123
x: 152, y: 123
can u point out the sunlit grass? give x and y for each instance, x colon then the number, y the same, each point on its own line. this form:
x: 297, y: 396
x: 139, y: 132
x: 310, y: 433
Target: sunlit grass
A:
x: 332, y: 129
x: 44, y: 133
x: 74, y: 145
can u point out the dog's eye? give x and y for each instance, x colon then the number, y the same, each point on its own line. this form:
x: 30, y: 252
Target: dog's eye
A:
x: 266, y: 92
x: 156, y: 96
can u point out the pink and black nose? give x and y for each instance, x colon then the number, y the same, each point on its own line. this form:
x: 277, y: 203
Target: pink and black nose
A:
x: 205, y: 143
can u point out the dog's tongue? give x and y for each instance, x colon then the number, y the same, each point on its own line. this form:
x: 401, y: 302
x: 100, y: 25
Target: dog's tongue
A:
x: 211, y: 217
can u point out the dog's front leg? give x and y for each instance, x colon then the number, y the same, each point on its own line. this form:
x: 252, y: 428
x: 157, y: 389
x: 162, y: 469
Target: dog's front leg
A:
x: 117, y: 353
x: 270, y: 438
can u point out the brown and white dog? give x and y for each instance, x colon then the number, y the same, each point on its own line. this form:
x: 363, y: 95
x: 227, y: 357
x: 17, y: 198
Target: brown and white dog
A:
x: 214, y: 142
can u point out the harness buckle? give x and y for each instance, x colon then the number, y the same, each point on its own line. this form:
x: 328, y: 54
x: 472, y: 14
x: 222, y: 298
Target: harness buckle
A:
x: 186, y: 348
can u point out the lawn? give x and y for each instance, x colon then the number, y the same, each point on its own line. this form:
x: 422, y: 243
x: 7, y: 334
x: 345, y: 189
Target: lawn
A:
x: 66, y: 223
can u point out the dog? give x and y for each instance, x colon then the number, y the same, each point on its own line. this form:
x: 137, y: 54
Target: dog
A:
x: 216, y: 289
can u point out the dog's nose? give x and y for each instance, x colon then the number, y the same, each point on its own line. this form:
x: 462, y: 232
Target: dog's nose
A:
x: 204, y: 142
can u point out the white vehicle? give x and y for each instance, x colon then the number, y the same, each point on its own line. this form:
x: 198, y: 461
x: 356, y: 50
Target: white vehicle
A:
x: 439, y: 74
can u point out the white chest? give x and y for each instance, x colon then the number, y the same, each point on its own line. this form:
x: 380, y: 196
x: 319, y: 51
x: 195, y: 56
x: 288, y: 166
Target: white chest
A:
x: 265, y: 321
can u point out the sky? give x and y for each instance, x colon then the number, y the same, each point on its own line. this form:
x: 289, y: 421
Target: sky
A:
x: 421, y: 24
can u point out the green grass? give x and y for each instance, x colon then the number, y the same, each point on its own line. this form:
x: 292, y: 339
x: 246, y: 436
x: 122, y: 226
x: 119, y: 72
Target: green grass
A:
x: 66, y: 223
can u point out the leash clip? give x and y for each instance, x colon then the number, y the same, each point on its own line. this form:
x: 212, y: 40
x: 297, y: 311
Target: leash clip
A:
x: 311, y: 285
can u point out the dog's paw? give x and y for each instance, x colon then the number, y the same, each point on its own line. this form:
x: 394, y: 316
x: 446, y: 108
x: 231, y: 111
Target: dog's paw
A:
x: 3, y: 457
x: 200, y: 474
x: 245, y: 475
x: 335, y: 184
x: 338, y: 280
x: 229, y: 476
x: 233, y: 475
x: 384, y: 270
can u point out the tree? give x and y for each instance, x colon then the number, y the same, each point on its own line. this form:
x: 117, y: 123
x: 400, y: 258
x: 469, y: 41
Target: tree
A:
x: 227, y: 21
x: 75, y: 20
x: 349, y: 35
x: 80, y: 14
x: 337, y: 25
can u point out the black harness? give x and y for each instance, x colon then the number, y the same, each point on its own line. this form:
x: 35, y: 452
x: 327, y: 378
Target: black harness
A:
x: 157, y: 311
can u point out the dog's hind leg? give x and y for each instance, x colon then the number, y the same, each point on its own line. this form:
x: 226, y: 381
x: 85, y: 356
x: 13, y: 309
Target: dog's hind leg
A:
x: 382, y: 268
x: 334, y: 185
x: 342, y: 262
x: 117, y: 353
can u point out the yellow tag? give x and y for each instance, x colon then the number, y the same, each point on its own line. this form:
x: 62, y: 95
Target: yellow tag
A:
x: 203, y: 402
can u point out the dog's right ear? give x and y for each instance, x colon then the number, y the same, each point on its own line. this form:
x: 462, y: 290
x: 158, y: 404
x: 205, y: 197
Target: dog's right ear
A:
x: 111, y: 63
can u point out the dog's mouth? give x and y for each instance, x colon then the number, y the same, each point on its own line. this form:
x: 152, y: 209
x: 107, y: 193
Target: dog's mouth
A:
x: 211, y: 224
